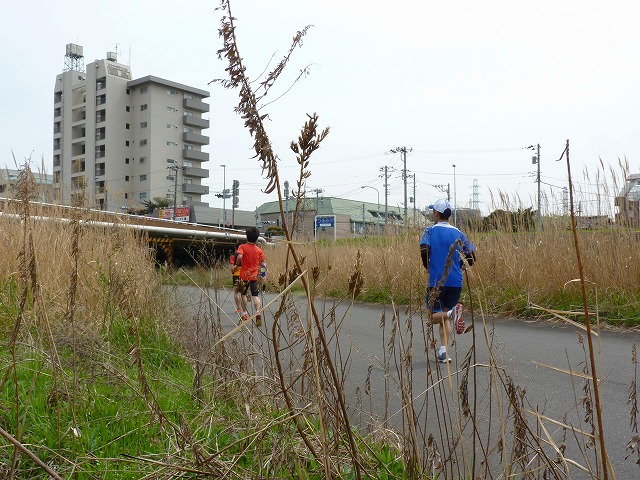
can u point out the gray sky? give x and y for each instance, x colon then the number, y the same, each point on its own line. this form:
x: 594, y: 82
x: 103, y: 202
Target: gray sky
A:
x: 466, y: 83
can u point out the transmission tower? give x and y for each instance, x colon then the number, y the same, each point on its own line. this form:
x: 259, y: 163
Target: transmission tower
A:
x: 475, y: 204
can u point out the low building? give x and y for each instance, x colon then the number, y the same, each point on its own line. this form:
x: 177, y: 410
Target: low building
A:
x: 330, y: 217
x: 43, y: 185
x: 628, y: 203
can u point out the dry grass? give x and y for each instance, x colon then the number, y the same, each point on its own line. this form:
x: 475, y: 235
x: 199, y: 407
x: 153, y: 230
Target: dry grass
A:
x: 517, y: 270
x: 113, y: 258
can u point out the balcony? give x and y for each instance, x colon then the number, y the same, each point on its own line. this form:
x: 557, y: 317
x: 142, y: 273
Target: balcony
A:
x: 195, y: 188
x: 195, y: 138
x: 196, y: 105
x: 195, y: 155
x: 192, y: 121
x: 195, y: 172
x: 77, y: 167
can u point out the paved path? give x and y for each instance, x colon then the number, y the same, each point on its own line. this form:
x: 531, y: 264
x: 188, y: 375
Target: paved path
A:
x: 521, y: 347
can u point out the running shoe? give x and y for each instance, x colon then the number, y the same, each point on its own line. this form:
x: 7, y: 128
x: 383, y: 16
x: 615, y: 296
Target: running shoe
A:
x: 442, y: 357
x: 458, y: 318
x: 258, y: 320
x: 245, y: 317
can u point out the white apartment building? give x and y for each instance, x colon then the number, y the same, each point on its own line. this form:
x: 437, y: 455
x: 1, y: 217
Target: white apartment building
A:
x: 118, y: 142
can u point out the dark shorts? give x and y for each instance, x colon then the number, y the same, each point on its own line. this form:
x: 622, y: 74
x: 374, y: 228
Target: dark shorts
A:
x: 236, y: 279
x: 446, y: 299
x: 243, y: 286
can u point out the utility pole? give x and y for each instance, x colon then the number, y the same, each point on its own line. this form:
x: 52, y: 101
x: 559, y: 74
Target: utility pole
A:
x: 442, y: 189
x: 415, y: 201
x: 403, y: 151
x: 536, y: 160
x: 455, y: 202
x: 224, y: 195
x: 386, y: 195
x: 317, y: 191
x: 286, y: 203
x: 175, y: 169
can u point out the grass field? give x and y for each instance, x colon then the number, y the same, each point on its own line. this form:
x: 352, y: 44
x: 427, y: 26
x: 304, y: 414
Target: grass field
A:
x: 515, y: 274
x: 103, y: 377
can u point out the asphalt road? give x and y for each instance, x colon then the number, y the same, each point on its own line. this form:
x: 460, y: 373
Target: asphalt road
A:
x: 535, y: 355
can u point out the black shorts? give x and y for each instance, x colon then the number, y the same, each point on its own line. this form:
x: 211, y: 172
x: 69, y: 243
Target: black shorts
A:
x: 236, y: 279
x: 446, y: 299
x: 243, y: 286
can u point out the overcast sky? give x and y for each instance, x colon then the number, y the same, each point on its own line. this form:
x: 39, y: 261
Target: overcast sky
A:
x: 466, y: 83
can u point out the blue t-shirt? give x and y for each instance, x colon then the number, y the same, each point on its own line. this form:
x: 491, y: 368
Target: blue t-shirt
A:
x: 439, y: 238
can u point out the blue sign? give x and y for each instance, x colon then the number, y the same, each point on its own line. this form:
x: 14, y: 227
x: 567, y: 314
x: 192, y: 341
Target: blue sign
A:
x: 328, y: 221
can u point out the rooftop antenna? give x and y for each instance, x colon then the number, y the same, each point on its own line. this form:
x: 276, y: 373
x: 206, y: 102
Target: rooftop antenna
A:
x: 74, y: 58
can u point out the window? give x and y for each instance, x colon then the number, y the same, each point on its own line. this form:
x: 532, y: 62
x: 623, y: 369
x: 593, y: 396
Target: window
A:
x: 143, y: 178
x: 126, y: 178
x: 172, y: 144
x: 126, y: 143
x: 169, y: 195
x: 171, y: 177
x: 126, y: 126
x: 127, y: 108
x: 101, y: 99
x: 187, y: 146
x: 100, y: 151
x: 171, y: 109
x: 143, y: 195
x: 188, y: 180
x: 143, y: 159
x: 171, y: 92
x: 101, y: 133
x: 126, y: 195
x: 143, y: 124
x: 101, y: 83
x: 172, y: 126
x: 126, y: 160
x: 143, y: 142
x: 143, y: 107
x: 144, y: 90
x: 188, y: 198
x: 187, y: 130
x: 187, y: 163
x: 189, y: 96
x: 170, y: 160
x: 188, y: 113
x: 128, y: 92
x: 101, y: 116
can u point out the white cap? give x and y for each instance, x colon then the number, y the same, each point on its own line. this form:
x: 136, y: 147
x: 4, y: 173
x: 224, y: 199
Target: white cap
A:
x: 441, y: 205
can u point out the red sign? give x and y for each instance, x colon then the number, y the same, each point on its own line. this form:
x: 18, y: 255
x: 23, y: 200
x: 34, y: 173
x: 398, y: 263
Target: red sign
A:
x: 183, y: 214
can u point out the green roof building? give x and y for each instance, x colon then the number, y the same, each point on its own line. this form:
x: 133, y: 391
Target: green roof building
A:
x: 335, y: 217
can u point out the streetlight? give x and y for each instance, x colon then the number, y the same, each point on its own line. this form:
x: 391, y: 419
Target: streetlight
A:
x: 455, y: 208
x: 224, y: 195
x: 378, y: 214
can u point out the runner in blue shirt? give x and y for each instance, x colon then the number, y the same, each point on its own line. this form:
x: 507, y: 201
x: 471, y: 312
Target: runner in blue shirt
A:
x: 445, y: 281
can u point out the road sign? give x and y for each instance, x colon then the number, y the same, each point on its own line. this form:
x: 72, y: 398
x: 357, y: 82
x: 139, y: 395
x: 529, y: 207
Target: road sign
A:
x: 325, y: 221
